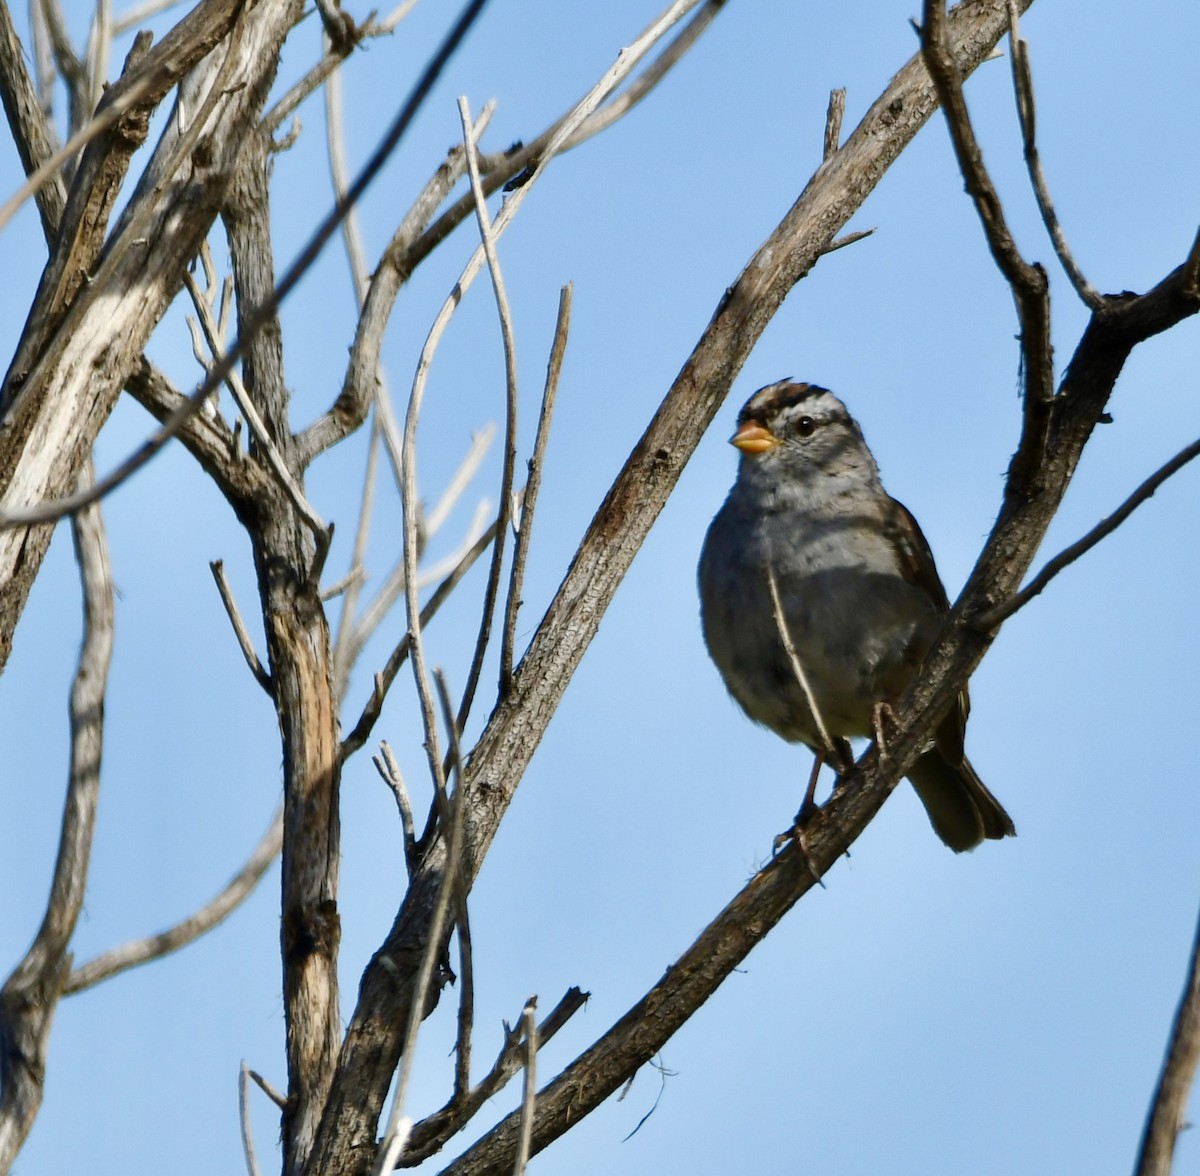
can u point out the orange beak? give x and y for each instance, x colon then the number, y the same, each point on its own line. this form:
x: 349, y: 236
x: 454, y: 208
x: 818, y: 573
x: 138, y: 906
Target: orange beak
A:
x: 753, y: 438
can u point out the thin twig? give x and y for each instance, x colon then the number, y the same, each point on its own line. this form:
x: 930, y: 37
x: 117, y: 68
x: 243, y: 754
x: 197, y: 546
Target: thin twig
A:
x: 436, y: 516
x: 1029, y: 284
x: 142, y: 12
x: 380, y: 606
x: 833, y: 123
x: 847, y: 239
x: 274, y: 1095
x: 466, y: 978
x: 466, y: 973
x: 417, y: 238
x: 993, y: 617
x: 388, y: 768
x: 30, y: 995
x: 356, y: 257
x: 785, y: 637
x: 523, y: 520
x: 399, y: 1125
x: 334, y: 590
x: 96, y: 126
x: 141, y: 951
x: 432, y: 1133
x: 393, y: 18
x: 99, y: 51
x: 529, y: 1096
x: 508, y: 470
x: 621, y: 104
x: 1166, y: 1117
x: 384, y: 679
x: 244, y: 1119
x: 352, y: 583
x: 50, y: 510
x: 261, y: 676
x: 258, y: 429
x: 466, y: 1000
x: 1026, y: 114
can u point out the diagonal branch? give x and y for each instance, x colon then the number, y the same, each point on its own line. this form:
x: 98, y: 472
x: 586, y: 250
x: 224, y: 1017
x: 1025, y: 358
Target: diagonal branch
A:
x: 523, y: 521
x: 31, y: 129
x: 487, y: 236
x: 1166, y: 1118
x: 213, y: 913
x: 30, y: 996
x: 1105, y: 527
x: 1026, y: 112
x: 1030, y: 287
x: 431, y: 1135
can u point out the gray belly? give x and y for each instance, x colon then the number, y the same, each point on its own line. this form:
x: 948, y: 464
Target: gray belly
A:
x: 859, y: 635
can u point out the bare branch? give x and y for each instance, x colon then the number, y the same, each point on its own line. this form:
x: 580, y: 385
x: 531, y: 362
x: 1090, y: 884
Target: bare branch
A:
x: 52, y: 509
x: 389, y: 769
x: 785, y: 637
x: 621, y: 104
x: 1026, y: 112
x: 383, y: 680
x: 492, y: 590
x: 31, y: 129
x: 1106, y: 526
x: 396, y: 1136
x: 214, y: 912
x: 269, y: 1090
x: 31, y: 993
x: 99, y: 50
x: 258, y: 429
x: 244, y: 1120
x: 397, y: 14
x: 261, y: 676
x: 70, y: 68
x: 1030, y: 288
x: 207, y: 437
x: 529, y: 1099
x: 523, y: 518
x: 466, y: 999
x: 146, y: 86
x: 143, y: 12
x: 413, y: 241
x: 350, y: 645
x: 431, y: 1134
x: 637, y: 1036
x: 1166, y: 1117
x: 833, y: 122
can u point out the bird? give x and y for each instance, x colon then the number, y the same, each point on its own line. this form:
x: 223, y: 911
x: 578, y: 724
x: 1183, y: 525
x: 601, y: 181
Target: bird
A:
x: 819, y: 599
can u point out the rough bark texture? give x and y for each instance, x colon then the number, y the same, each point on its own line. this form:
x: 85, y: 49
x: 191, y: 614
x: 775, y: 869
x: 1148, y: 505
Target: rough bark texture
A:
x: 301, y: 668
x: 51, y: 421
x: 30, y: 995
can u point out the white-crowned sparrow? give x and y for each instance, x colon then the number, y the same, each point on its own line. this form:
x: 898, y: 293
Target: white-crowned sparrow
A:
x: 809, y: 524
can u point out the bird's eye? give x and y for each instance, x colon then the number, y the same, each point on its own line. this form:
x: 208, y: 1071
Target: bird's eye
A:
x: 806, y: 426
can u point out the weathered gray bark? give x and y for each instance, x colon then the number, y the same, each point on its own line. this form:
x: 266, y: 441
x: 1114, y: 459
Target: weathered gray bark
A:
x: 57, y: 400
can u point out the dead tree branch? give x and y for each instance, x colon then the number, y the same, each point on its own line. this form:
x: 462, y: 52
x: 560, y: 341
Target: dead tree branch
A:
x: 30, y: 995
x: 212, y: 914
x: 1166, y: 1118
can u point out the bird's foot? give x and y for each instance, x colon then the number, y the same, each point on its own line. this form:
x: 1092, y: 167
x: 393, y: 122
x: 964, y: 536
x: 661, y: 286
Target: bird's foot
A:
x: 882, y: 717
x: 809, y: 816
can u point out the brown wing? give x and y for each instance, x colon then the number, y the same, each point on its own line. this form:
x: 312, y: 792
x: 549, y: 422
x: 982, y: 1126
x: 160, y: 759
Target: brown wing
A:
x: 916, y: 561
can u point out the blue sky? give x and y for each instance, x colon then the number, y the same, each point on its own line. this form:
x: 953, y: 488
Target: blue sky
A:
x: 999, y: 1012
